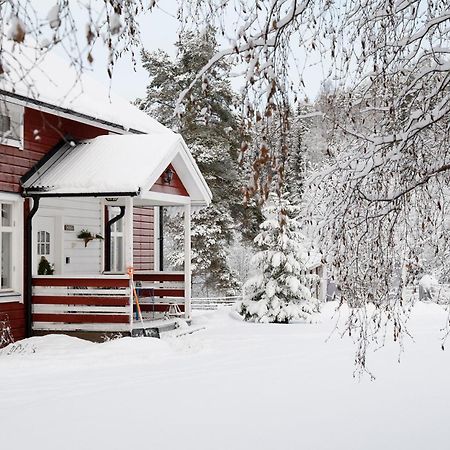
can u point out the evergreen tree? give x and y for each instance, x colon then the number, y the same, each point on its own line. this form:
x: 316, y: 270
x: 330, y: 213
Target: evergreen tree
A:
x: 279, y: 290
x: 297, y: 160
x: 210, y: 128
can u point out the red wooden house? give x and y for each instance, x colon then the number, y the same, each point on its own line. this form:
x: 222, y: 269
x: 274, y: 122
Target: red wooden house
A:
x: 77, y: 163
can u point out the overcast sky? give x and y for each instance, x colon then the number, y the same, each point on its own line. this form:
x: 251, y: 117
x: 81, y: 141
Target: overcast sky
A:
x: 159, y: 31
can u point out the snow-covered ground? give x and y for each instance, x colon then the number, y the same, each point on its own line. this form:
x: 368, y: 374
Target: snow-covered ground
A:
x: 232, y: 386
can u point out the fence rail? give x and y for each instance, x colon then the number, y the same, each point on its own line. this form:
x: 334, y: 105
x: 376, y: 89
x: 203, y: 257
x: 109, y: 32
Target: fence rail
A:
x: 213, y: 303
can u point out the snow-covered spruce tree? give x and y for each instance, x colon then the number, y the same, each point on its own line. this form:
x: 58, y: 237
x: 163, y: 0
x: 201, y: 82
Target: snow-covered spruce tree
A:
x: 210, y: 128
x: 279, y: 291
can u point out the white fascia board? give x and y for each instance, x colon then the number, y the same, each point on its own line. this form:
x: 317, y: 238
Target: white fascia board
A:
x: 162, y: 199
x: 162, y: 166
x: 200, y: 178
x: 195, y: 175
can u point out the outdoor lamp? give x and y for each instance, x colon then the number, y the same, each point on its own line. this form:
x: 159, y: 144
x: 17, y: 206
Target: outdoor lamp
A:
x: 168, y: 176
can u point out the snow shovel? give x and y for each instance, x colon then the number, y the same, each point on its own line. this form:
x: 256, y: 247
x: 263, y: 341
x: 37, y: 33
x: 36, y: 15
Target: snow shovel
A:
x: 138, y: 306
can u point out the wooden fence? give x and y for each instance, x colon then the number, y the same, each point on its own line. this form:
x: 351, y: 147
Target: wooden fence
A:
x: 213, y: 303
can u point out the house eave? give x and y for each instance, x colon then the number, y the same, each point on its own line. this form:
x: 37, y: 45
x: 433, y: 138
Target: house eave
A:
x: 43, y: 193
x: 67, y: 113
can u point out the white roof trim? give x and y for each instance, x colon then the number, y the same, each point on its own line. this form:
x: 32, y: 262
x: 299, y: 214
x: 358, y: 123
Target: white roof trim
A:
x: 161, y: 199
x: 118, y: 164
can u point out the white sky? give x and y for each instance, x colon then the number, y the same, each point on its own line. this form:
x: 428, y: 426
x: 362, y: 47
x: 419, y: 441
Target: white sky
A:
x: 159, y: 31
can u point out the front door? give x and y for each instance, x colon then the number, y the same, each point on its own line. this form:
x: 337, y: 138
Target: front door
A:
x: 44, y: 244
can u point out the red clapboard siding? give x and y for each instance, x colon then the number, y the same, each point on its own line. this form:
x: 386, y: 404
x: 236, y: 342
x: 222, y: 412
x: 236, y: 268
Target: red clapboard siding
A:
x: 42, y: 131
x: 175, y: 187
x: 14, y: 315
x: 81, y: 318
x: 11, y: 306
x: 81, y: 300
x: 143, y: 237
x: 82, y: 282
x: 14, y: 312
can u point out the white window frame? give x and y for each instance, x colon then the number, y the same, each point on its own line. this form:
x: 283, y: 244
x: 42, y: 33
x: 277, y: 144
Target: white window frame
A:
x: 14, y: 294
x: 16, y: 114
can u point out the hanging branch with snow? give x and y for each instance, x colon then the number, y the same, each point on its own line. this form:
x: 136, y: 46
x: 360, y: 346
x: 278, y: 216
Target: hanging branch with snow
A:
x: 75, y: 28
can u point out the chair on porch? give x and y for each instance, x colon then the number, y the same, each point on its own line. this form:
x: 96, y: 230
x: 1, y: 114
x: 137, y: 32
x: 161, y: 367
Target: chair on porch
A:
x: 146, y: 297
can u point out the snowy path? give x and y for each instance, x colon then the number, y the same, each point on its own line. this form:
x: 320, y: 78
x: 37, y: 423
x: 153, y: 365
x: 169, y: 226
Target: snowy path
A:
x: 233, y: 386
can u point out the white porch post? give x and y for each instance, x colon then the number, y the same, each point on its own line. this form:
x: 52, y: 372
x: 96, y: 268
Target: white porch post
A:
x: 187, y: 261
x: 128, y: 234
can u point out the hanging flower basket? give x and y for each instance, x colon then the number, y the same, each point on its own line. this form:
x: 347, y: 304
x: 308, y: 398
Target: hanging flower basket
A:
x: 87, y: 236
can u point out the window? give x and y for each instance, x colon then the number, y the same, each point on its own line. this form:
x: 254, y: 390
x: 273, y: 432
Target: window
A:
x: 11, y: 236
x: 43, y: 243
x: 6, y: 246
x: 11, y: 124
x: 117, y: 242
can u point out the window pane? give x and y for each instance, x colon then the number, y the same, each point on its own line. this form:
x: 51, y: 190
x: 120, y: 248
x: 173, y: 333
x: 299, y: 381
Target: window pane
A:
x: 6, y: 265
x: 15, y: 130
x: 119, y: 255
x: 6, y: 215
x: 5, y: 124
x: 47, y: 249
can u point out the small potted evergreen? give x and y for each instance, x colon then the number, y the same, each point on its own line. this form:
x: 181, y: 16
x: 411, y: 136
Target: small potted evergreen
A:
x: 44, y: 267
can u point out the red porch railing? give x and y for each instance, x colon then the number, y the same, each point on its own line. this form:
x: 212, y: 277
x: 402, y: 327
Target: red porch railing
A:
x: 88, y: 303
x: 105, y: 303
x: 161, y: 293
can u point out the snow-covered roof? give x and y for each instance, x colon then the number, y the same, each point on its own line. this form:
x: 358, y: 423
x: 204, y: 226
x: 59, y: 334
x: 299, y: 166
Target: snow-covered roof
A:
x: 120, y: 164
x: 43, y: 78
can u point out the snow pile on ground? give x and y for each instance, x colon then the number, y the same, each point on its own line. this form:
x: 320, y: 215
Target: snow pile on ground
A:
x: 235, y: 385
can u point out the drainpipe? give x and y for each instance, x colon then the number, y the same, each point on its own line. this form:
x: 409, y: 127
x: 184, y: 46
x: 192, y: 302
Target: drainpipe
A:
x: 29, y: 262
x: 161, y: 238
x: 108, y: 237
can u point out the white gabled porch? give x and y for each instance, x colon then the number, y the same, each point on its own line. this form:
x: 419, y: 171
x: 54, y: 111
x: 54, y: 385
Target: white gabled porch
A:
x: 115, y: 302
x: 119, y: 298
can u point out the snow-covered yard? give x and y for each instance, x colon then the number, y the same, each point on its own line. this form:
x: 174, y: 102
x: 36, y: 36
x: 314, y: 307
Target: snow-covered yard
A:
x: 232, y: 386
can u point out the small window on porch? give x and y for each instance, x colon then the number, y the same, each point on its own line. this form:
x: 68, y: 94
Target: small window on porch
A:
x: 43, y: 243
x: 117, y: 243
